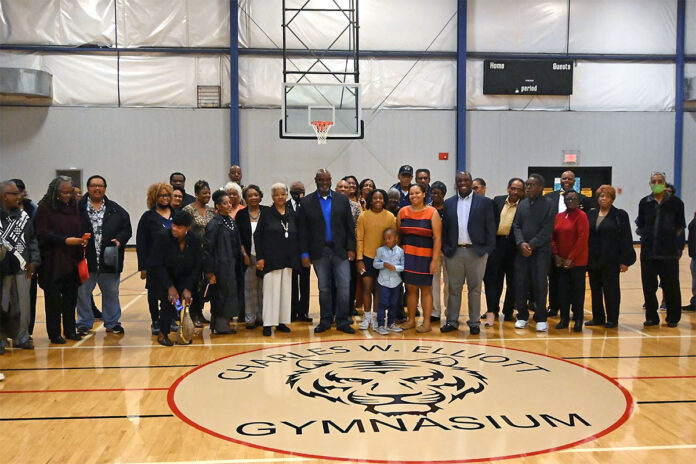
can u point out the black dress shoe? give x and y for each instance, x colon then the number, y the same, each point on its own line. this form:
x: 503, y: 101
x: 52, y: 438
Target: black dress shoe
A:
x: 689, y: 307
x: 577, y: 325
x: 251, y: 325
x: 267, y: 331
x: 282, y: 328
x: 447, y: 328
x: 321, y: 328
x: 434, y: 319
x: 593, y: 322
x: 58, y: 340
x: 552, y: 312
x: 475, y: 330
x: 563, y: 324
x: 671, y: 324
x: 73, y: 336
x: 83, y: 331
x: 304, y: 319
x: 609, y: 325
x: 345, y: 328
x: 164, y: 340
x: 649, y: 323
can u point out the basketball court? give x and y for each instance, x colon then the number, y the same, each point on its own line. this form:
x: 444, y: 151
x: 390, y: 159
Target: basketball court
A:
x: 620, y: 396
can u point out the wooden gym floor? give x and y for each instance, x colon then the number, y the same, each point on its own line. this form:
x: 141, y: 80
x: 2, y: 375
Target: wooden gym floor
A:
x: 105, y: 399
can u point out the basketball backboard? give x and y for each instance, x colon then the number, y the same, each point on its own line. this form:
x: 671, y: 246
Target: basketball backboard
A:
x: 304, y: 103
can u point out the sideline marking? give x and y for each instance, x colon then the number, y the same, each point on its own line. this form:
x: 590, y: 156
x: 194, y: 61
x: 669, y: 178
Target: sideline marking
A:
x: 85, y: 390
x: 628, y: 448
x: 101, y: 326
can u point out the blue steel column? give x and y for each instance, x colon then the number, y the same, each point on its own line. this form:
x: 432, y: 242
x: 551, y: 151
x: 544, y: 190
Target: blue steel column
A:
x: 679, y: 95
x: 461, y: 85
x: 234, y: 83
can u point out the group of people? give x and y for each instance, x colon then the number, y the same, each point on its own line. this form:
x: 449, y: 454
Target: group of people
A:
x: 378, y: 249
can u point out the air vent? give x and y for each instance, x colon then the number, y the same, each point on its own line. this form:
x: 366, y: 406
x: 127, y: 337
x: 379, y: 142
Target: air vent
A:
x: 209, y: 96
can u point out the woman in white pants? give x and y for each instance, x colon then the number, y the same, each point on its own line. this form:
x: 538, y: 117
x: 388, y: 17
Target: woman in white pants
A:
x: 277, y: 251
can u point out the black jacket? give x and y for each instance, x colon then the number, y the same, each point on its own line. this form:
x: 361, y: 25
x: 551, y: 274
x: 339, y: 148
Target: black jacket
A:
x: 585, y: 202
x: 244, y: 223
x: 116, y: 225
x: 277, y: 250
x: 313, y: 228
x: 610, y: 244
x: 30, y: 254
x: 659, y: 226
x: 222, y: 256
x: 148, y: 227
x: 188, y: 199
x: 692, y: 238
x: 171, y: 266
x: 481, y: 225
x: 534, y: 222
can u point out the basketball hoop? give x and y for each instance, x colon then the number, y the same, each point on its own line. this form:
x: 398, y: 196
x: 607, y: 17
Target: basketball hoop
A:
x: 321, y: 130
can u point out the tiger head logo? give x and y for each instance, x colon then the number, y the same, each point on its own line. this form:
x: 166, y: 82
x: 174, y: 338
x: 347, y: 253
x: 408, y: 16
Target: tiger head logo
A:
x: 390, y: 387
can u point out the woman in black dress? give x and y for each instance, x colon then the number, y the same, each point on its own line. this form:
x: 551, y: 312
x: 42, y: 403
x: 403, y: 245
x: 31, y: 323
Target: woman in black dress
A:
x: 223, y: 266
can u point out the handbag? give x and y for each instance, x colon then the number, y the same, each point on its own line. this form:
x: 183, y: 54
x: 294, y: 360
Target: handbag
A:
x: 184, y: 335
x: 82, y: 268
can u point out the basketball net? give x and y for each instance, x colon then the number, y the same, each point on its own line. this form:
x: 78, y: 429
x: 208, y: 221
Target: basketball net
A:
x: 321, y: 130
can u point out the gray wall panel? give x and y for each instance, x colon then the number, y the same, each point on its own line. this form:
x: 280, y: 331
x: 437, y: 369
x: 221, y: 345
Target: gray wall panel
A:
x: 502, y: 144
x: 133, y: 147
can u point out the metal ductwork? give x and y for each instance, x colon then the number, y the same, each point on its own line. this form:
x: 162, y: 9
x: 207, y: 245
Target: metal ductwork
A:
x: 25, y: 87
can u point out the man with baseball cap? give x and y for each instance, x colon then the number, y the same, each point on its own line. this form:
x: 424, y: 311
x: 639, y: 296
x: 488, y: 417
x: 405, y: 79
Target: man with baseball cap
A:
x: 405, y: 178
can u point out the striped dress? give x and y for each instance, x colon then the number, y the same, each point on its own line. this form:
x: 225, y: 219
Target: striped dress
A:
x: 417, y: 241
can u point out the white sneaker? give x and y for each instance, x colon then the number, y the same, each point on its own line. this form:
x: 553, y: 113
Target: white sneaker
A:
x: 374, y: 322
x: 542, y: 327
x: 382, y: 330
x: 521, y: 324
x: 2, y: 376
x: 366, y: 321
x: 395, y: 328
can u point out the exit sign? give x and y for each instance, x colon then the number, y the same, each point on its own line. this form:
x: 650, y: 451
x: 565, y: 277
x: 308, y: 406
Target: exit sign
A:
x: 571, y: 156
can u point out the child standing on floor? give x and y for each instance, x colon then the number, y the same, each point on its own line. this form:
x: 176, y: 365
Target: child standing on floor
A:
x: 390, y: 261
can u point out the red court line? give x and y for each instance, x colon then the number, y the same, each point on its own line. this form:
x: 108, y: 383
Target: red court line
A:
x: 657, y: 377
x: 86, y: 390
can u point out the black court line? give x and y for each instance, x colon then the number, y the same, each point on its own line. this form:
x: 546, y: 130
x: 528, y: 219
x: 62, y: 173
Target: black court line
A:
x: 96, y: 367
x: 666, y: 402
x: 130, y: 416
x: 634, y: 357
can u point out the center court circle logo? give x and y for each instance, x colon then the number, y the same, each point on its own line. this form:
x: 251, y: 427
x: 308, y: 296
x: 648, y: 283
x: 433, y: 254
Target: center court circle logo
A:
x: 400, y: 400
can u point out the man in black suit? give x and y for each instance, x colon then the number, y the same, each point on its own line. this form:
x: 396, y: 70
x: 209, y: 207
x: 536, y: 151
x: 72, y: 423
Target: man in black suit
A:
x: 501, y: 263
x: 468, y: 237
x: 300, y: 276
x: 327, y: 240
x: 557, y: 199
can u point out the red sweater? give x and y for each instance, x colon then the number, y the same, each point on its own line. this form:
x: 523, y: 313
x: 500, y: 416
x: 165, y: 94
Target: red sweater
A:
x: 571, y: 231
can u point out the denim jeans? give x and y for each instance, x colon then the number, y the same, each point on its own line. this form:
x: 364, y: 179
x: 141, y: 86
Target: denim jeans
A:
x: 111, y: 308
x: 388, y: 302
x: 332, y: 269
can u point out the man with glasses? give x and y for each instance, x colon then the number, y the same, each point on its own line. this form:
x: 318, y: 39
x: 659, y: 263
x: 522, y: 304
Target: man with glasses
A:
x: 21, y: 261
x: 110, y: 227
x: 479, y: 186
x: 660, y: 224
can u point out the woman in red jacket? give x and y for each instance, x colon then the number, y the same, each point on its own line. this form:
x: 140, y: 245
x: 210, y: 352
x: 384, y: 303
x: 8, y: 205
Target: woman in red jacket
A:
x: 571, y: 231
